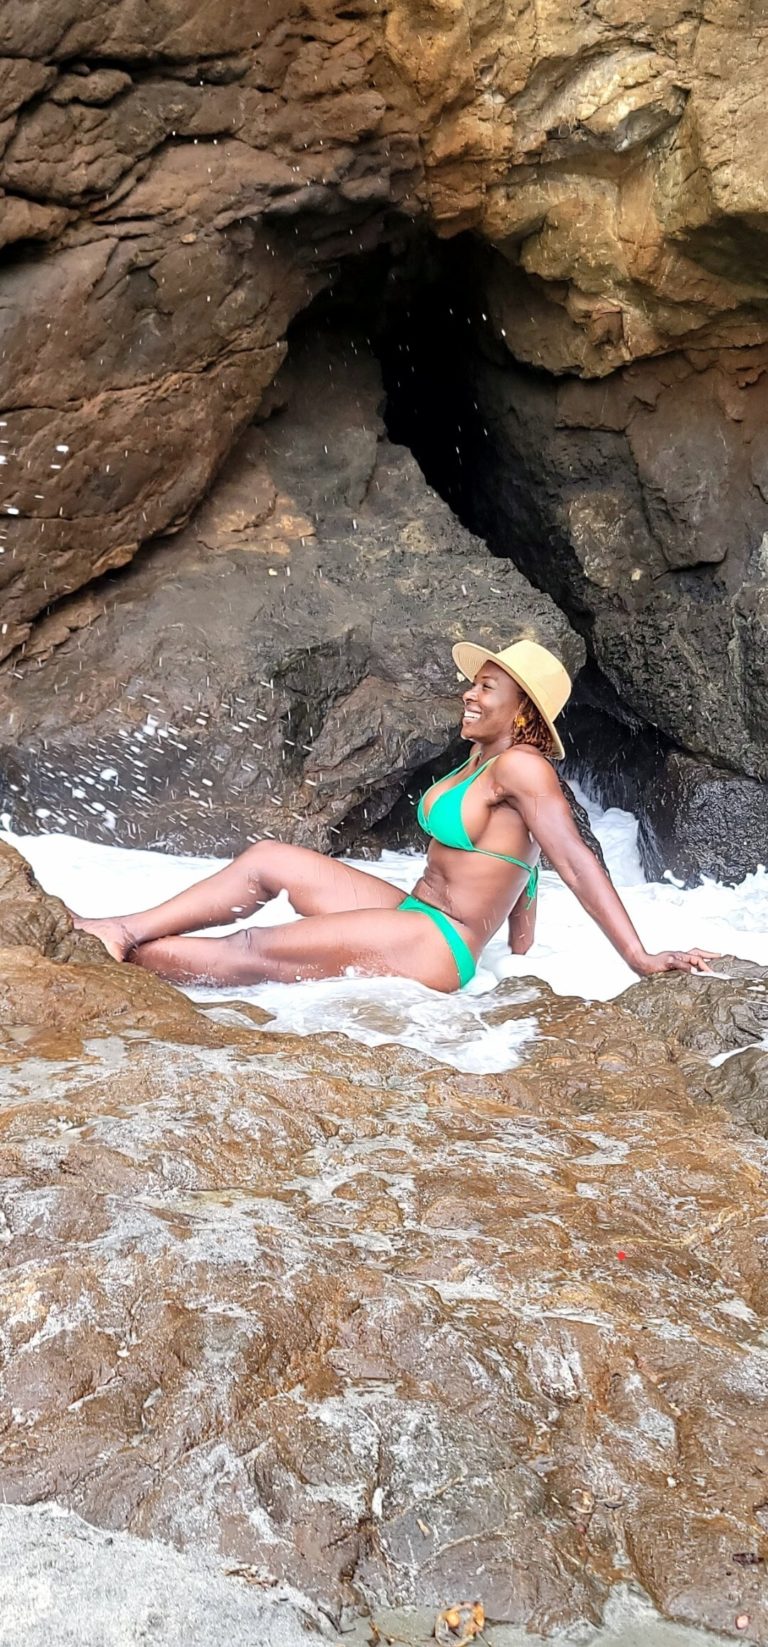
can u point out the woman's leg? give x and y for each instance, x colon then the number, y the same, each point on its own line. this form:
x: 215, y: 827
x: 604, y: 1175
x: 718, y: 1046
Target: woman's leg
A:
x: 375, y: 942
x: 316, y: 885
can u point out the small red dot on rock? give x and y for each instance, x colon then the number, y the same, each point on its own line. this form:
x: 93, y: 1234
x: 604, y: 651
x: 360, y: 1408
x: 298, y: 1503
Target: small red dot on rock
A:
x: 621, y: 1255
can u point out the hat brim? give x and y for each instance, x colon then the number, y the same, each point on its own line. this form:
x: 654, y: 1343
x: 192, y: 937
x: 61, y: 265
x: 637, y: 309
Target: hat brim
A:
x: 470, y: 658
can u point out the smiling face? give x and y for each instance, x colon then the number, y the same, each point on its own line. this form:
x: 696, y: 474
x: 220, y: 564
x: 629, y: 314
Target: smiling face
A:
x: 491, y: 704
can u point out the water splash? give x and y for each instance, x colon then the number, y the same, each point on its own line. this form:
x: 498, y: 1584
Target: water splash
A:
x: 570, y: 952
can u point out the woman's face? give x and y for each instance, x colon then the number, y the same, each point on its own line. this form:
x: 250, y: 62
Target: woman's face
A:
x: 490, y: 704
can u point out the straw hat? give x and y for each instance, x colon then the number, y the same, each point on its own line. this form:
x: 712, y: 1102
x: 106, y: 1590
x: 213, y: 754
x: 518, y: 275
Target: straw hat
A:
x: 537, y: 671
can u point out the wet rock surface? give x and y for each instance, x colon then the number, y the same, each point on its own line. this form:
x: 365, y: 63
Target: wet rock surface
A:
x: 283, y: 667
x: 701, y: 818
x: 352, y: 1321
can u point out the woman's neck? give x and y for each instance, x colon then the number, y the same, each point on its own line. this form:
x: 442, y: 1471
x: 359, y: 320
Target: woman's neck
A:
x: 482, y: 752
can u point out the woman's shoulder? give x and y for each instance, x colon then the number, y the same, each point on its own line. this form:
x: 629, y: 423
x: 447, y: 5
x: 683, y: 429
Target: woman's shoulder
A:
x: 521, y: 765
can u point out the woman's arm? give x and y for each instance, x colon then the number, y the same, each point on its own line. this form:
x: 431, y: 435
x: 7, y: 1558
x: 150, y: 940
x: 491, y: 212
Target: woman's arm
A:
x: 524, y: 777
x: 522, y: 925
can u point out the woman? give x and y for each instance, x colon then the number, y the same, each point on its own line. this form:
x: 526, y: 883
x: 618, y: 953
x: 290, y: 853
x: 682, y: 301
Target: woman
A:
x: 489, y: 821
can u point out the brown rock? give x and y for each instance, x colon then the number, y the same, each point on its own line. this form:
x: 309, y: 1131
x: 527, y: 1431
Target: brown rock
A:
x: 21, y: 79
x: 142, y: 358
x: 568, y: 146
x: 523, y: 1312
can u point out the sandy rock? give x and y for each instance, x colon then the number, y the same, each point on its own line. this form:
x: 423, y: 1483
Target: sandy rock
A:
x: 605, y: 156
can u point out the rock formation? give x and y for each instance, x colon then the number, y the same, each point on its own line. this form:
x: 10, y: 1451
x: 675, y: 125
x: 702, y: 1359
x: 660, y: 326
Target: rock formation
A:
x: 138, y: 345
x: 178, y: 188
x: 350, y: 1321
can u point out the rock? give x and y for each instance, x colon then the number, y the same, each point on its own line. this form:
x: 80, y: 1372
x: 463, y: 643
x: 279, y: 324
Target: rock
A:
x: 741, y: 1084
x: 283, y: 666
x: 700, y: 819
x: 36, y: 937
x: 602, y: 157
x: 177, y: 191
x: 342, y: 1319
x: 666, y: 567
x: 196, y: 178
x: 707, y: 1015
x: 136, y: 350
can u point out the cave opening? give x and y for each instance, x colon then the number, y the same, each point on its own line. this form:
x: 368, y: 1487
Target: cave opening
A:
x: 421, y: 309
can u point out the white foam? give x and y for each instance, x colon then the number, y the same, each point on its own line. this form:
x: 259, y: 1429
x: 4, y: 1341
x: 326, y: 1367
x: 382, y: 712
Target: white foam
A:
x: 570, y: 952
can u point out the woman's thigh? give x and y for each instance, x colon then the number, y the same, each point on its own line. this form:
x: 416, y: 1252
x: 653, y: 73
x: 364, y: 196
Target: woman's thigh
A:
x: 317, y: 885
x: 370, y: 942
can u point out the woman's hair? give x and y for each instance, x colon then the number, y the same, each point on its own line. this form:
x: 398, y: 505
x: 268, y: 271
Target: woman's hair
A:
x: 535, y: 730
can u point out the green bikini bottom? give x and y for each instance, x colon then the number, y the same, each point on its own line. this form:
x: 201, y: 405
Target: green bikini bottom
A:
x: 466, y: 965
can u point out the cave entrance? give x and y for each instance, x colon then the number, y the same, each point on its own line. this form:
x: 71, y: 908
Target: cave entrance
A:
x: 415, y: 309
x: 421, y: 310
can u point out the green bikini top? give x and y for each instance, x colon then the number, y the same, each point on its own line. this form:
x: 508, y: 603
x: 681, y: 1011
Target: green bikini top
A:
x: 444, y: 823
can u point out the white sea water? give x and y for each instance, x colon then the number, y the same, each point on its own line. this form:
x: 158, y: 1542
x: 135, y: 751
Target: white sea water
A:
x: 570, y: 952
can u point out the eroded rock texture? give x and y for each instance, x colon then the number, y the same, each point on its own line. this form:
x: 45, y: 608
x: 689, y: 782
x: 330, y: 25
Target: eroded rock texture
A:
x: 193, y: 199
x: 281, y: 667
x: 347, y: 1319
x: 611, y: 153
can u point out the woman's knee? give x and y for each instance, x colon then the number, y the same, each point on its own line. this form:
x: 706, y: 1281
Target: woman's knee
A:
x: 256, y: 958
x: 265, y: 863
x: 245, y: 954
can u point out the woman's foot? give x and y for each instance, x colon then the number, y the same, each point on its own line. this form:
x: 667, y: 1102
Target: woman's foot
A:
x: 113, y: 933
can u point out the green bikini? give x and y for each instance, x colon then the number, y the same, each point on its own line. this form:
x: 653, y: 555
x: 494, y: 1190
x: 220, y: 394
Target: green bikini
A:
x: 444, y: 823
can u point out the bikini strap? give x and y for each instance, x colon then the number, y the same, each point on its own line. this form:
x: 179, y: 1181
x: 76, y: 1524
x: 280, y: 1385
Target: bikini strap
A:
x: 532, y: 883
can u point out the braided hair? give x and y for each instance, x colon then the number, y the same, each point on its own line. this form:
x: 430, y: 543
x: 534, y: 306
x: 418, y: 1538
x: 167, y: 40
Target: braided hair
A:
x: 530, y: 728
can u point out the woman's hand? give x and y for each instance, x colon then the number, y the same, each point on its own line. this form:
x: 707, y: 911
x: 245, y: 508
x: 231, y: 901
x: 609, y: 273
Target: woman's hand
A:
x: 674, y: 960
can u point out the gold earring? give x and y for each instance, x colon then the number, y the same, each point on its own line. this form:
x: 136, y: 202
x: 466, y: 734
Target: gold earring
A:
x: 520, y: 723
